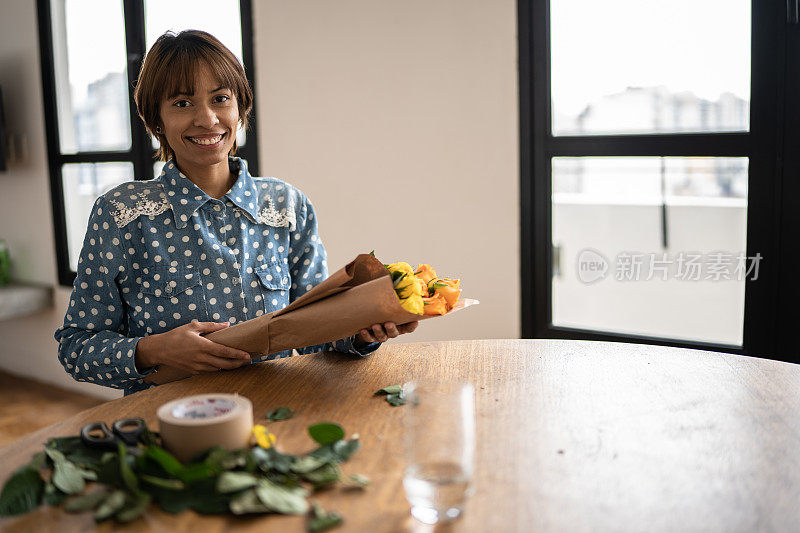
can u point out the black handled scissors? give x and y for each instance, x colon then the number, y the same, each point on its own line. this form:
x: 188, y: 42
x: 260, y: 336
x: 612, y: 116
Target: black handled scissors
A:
x: 126, y: 430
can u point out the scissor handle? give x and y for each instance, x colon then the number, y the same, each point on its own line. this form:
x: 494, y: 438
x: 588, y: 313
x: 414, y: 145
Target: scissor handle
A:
x: 106, y: 440
x: 129, y: 430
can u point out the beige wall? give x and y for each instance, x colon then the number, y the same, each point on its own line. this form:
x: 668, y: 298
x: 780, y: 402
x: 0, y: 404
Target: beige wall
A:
x: 398, y: 119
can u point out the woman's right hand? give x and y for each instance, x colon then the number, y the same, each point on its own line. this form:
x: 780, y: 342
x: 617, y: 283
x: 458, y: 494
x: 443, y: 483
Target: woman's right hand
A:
x: 185, y: 347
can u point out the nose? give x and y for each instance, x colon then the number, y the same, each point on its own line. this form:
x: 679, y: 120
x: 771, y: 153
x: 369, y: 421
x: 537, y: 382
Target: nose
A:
x: 205, y: 116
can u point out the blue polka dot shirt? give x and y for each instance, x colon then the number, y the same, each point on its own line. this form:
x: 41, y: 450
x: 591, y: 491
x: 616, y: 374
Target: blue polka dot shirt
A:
x: 161, y: 253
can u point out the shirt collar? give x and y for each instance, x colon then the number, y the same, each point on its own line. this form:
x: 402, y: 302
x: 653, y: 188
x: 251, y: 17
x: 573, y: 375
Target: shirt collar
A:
x: 185, y: 197
x: 244, y: 193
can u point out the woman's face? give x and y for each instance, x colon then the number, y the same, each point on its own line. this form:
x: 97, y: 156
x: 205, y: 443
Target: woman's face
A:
x: 201, y: 127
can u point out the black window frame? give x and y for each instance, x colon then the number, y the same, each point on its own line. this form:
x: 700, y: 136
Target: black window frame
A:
x: 141, y: 153
x: 770, y: 231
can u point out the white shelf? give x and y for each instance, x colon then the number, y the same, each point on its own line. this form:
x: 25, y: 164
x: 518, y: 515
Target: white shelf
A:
x: 21, y: 300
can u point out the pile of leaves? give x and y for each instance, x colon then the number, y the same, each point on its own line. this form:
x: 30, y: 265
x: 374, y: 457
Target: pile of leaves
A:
x: 394, y: 395
x: 123, y: 483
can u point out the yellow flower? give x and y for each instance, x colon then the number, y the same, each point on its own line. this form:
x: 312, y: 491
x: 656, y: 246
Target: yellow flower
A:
x: 400, y: 266
x: 407, y: 286
x: 264, y: 438
x: 413, y: 304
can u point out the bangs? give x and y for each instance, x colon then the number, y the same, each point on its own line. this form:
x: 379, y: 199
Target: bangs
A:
x: 179, y: 71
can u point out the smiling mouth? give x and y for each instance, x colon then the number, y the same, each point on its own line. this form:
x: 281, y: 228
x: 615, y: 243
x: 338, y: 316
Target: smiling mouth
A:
x: 207, y: 141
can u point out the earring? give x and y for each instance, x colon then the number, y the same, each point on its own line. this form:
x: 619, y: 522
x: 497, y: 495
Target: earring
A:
x: 158, y: 130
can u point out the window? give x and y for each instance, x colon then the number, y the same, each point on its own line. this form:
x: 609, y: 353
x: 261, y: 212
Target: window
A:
x: 95, y: 138
x: 653, y: 156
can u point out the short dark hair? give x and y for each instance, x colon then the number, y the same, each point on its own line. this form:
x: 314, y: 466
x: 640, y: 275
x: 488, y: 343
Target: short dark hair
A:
x: 169, y: 68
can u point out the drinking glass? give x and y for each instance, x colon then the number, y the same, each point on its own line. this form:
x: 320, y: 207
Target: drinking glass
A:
x: 440, y: 448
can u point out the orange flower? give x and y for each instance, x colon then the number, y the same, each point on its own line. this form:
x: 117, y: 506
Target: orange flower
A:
x: 449, y: 294
x: 435, y: 305
x: 425, y: 272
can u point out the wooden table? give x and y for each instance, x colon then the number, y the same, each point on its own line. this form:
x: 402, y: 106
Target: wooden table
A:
x: 572, y: 436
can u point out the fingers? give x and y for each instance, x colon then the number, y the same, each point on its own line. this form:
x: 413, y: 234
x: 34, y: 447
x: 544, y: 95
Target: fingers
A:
x: 408, y: 328
x: 366, y: 336
x: 379, y: 333
x: 226, y: 352
x: 391, y: 329
x: 222, y: 362
x: 208, y: 327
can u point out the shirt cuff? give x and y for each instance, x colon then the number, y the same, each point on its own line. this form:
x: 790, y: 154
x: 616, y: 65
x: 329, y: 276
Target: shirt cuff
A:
x: 359, y: 347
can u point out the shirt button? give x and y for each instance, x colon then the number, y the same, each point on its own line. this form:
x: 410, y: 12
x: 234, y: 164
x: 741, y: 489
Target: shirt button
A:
x: 168, y: 289
x: 235, y: 281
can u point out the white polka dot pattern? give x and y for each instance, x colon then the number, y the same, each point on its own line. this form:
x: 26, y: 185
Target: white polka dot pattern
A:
x: 200, y: 259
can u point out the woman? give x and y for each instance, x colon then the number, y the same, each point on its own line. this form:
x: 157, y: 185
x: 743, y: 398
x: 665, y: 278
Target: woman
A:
x: 202, y: 246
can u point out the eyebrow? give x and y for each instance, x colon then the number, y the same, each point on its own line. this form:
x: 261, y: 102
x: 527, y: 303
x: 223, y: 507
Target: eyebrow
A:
x: 184, y: 93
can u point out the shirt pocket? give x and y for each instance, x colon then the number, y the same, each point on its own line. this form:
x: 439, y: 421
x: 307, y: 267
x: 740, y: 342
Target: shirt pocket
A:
x: 175, y: 297
x: 273, y: 281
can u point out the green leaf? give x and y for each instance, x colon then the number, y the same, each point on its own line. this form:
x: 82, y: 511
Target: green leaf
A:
x: 395, y: 399
x: 356, y: 481
x: 196, y: 472
x: 247, y: 502
x: 86, y: 502
x: 67, y: 477
x: 134, y: 507
x: 235, y: 459
x: 110, y: 506
x: 169, y: 484
x: 65, y: 445
x: 235, y: 481
x: 326, y: 432
x: 372, y: 253
x: 391, y: 389
x: 128, y: 477
x: 165, y: 459
x: 22, y: 492
x: 109, y: 471
x: 283, y: 499
x: 281, y: 413
x: 345, y: 448
x: 320, y: 520
x: 52, y: 496
x: 324, y: 475
x: 38, y: 461
x: 215, y: 457
x: 307, y: 463
x: 272, y: 459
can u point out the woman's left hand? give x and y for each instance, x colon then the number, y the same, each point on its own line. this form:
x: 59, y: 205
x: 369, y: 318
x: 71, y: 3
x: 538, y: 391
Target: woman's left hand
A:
x: 384, y: 332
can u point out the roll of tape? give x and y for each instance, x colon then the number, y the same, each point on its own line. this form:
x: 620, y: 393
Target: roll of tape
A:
x: 193, y: 424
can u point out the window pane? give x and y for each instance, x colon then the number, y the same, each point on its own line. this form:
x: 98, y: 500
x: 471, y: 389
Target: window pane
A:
x: 651, y: 246
x: 83, y: 183
x: 220, y: 18
x: 91, y: 76
x: 614, y: 70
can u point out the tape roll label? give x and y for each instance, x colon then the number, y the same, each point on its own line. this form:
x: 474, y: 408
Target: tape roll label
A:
x: 203, y: 408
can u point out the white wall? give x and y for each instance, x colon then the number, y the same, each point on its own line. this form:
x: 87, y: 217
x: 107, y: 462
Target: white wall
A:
x: 27, y: 346
x: 399, y: 120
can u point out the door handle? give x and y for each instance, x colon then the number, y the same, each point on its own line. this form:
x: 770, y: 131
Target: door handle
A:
x: 793, y: 11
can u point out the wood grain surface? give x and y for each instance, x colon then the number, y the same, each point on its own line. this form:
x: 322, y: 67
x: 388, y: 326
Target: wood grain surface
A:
x: 571, y: 436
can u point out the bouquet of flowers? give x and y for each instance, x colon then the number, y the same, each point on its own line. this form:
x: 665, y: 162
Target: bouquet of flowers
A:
x: 363, y: 293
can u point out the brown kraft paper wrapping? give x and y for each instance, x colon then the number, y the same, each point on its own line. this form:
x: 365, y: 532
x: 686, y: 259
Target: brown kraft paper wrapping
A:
x: 358, y: 295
